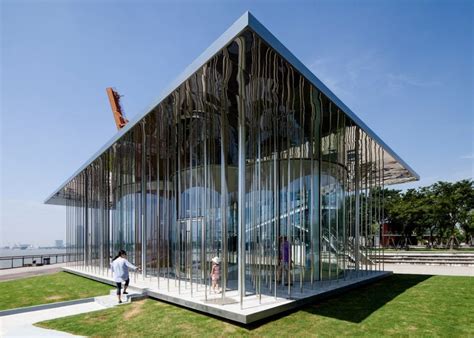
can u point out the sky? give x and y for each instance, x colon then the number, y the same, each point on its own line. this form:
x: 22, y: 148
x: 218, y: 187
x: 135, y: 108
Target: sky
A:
x: 406, y: 68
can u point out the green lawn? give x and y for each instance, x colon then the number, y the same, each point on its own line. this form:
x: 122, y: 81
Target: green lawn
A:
x: 52, y: 288
x: 401, y: 305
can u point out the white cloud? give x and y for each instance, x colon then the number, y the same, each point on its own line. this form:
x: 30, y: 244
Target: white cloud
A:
x: 402, y: 79
x: 345, y: 75
x: 326, y: 70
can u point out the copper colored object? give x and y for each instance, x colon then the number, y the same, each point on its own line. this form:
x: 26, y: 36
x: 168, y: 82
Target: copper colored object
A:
x: 119, y: 116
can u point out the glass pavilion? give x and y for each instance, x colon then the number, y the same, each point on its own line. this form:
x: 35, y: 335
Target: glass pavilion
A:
x: 247, y: 149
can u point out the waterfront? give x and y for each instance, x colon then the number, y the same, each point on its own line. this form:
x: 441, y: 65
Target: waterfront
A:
x: 6, y: 263
x: 28, y: 252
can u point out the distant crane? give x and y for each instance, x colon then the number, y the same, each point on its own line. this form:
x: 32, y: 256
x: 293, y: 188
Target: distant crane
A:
x: 119, y: 116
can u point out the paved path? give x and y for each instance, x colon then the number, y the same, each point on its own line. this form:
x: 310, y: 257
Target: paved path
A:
x: 421, y: 269
x: 8, y: 274
x: 21, y: 325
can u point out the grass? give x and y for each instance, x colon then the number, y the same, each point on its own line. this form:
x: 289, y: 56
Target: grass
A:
x: 52, y: 288
x: 401, y: 305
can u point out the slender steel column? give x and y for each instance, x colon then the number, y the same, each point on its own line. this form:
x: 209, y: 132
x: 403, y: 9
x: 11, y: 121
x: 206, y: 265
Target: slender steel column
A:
x: 241, y: 208
x: 276, y: 204
x: 319, y: 116
x: 86, y: 218
x: 223, y: 204
x: 383, y: 207
x: 311, y: 204
x: 241, y: 169
x: 357, y: 201
x: 102, y: 214
x: 158, y: 192
x: 143, y: 202
x: 205, y: 219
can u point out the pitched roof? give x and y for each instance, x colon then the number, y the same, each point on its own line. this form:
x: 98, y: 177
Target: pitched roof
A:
x: 247, y: 20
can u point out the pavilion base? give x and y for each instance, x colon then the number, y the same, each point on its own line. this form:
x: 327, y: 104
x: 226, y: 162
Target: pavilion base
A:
x: 252, y: 309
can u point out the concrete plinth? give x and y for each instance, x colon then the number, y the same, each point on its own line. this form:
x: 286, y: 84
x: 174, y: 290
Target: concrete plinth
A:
x: 253, y: 308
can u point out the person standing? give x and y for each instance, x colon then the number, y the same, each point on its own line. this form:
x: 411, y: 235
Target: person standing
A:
x: 120, y: 267
x: 215, y: 274
x: 285, y: 260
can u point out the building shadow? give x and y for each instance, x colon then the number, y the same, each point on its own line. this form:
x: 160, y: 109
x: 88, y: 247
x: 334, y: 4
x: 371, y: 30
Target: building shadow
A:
x: 356, y: 305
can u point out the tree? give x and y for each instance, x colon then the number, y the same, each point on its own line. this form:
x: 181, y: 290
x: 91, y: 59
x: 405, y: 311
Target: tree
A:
x: 454, y: 202
x: 438, y: 209
x: 403, y: 213
x: 468, y: 227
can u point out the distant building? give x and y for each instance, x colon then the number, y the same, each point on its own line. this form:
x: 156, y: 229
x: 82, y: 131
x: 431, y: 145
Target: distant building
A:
x: 21, y: 246
x: 59, y: 243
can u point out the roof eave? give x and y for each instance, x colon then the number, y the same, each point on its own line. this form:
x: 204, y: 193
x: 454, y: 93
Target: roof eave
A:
x: 247, y: 20
x: 234, y: 30
x: 266, y: 35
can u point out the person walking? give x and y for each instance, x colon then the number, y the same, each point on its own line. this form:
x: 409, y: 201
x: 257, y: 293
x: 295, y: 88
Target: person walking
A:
x: 120, y: 267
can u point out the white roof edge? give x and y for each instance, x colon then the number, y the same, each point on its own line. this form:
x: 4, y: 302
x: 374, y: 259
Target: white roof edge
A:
x: 246, y: 20
x: 234, y: 30
x: 280, y: 48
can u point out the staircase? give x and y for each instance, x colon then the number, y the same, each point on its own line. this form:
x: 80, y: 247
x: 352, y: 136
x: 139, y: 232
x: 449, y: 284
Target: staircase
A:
x: 333, y: 244
x: 448, y: 259
x: 111, y: 300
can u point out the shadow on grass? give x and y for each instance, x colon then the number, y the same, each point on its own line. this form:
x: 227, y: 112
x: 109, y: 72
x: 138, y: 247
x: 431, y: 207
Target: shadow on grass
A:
x: 355, y: 305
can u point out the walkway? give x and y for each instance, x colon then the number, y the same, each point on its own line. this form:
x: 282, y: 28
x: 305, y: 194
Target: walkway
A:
x: 21, y: 325
x: 421, y: 269
x: 8, y: 274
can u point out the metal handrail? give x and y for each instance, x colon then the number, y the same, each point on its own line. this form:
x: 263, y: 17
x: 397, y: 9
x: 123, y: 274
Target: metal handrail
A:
x: 27, y: 260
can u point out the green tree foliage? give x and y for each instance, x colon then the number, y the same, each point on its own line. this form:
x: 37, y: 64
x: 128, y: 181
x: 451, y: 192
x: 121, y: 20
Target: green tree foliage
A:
x: 439, y: 210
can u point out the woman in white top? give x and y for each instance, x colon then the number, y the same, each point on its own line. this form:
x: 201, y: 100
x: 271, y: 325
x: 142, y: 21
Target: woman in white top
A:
x: 120, y: 266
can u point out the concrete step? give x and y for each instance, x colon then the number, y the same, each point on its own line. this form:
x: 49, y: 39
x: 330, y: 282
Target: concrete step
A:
x: 448, y: 259
x: 426, y: 259
x: 434, y: 256
x: 461, y: 259
x: 113, y: 292
x: 428, y: 262
x: 111, y: 299
x: 428, y: 255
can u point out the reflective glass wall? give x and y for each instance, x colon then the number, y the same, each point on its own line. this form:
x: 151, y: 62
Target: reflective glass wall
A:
x: 246, y: 161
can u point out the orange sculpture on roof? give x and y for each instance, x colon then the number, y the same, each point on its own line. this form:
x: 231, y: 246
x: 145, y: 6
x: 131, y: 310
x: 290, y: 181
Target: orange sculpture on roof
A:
x: 119, y: 116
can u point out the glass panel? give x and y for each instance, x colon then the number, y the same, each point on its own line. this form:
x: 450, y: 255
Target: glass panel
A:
x: 310, y: 184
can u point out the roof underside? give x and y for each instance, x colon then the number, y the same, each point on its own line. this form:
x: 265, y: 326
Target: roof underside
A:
x: 393, y: 162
